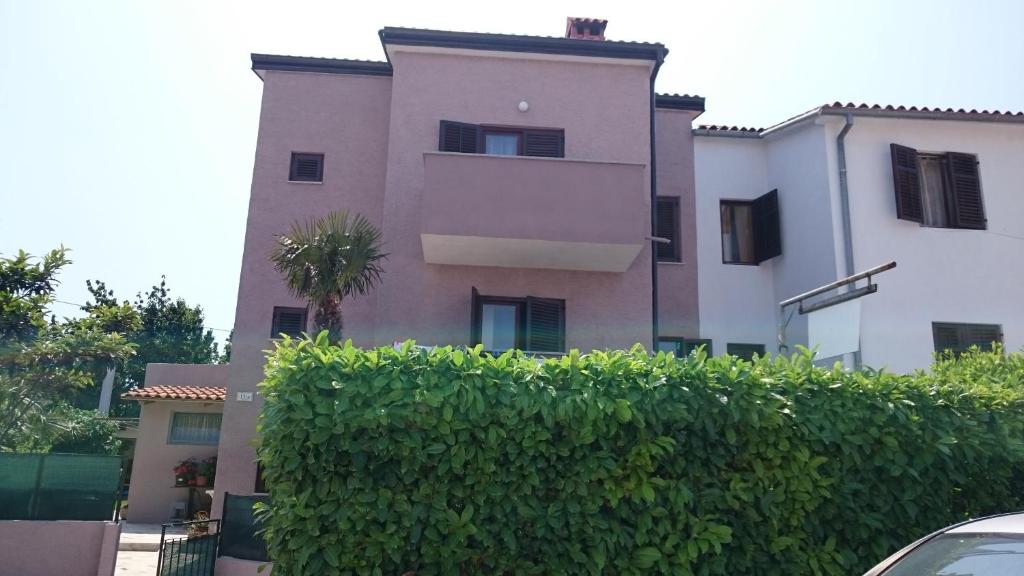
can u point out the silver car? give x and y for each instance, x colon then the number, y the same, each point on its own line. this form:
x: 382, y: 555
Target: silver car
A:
x: 992, y: 546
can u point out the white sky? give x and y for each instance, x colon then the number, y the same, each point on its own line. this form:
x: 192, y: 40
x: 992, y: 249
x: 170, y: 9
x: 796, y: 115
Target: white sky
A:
x: 127, y: 129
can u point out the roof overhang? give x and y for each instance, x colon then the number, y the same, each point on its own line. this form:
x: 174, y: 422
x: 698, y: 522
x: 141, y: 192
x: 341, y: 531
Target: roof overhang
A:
x: 393, y: 37
x: 679, y: 102
x: 263, y: 62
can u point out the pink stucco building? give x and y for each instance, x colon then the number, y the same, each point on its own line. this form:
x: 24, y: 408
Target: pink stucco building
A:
x: 517, y: 187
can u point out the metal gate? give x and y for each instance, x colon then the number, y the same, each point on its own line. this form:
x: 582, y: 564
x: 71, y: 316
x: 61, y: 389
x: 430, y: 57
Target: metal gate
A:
x: 192, y: 555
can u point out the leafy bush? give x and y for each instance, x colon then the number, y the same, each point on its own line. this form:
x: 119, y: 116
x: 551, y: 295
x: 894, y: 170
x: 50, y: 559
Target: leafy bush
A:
x: 454, y: 462
x: 85, y: 432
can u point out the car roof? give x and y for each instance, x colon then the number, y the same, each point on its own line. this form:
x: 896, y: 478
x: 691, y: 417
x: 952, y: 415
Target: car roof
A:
x: 1004, y: 524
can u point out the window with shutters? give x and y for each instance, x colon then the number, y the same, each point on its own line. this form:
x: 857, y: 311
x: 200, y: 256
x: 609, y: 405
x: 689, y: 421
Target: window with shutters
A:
x: 194, y: 428
x: 751, y: 229
x: 956, y: 338
x: 531, y: 324
x: 744, y: 351
x: 500, y: 141
x: 939, y: 190
x: 288, y: 321
x: 306, y: 167
x: 682, y: 347
x: 667, y: 220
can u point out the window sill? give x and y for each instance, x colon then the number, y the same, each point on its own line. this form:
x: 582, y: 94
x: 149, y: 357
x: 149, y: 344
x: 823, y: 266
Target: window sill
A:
x: 671, y: 263
x: 304, y: 182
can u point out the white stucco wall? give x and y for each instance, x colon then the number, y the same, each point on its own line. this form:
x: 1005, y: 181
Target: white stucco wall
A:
x: 942, y: 275
x: 735, y: 301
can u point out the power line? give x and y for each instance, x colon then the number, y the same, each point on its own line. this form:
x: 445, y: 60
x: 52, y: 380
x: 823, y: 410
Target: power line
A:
x: 83, y: 306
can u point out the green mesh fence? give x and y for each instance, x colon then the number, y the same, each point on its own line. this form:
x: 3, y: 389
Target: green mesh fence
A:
x: 239, y: 526
x: 58, y: 486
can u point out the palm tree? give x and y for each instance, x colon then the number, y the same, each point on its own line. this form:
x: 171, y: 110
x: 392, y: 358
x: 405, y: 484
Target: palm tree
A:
x: 328, y: 259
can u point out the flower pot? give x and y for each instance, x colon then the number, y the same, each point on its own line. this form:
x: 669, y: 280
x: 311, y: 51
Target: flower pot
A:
x: 200, y: 480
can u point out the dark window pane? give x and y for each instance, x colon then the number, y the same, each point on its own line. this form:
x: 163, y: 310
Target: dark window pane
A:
x: 745, y: 351
x: 737, y: 233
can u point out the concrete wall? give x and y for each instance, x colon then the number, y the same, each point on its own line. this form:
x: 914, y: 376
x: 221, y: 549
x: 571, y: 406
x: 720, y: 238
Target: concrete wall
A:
x: 65, y: 547
x: 431, y: 303
x: 797, y: 165
x: 345, y: 118
x: 942, y: 275
x: 152, y: 493
x: 678, y: 310
x: 737, y: 302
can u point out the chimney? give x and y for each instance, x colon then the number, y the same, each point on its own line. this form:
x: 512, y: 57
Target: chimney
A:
x: 584, y: 28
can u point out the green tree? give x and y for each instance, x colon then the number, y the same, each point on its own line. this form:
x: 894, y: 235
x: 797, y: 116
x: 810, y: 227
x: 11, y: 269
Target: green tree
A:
x: 43, y: 364
x: 327, y: 260
x: 169, y: 330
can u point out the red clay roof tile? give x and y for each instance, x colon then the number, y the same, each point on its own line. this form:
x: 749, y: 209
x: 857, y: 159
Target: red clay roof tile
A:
x: 208, y: 393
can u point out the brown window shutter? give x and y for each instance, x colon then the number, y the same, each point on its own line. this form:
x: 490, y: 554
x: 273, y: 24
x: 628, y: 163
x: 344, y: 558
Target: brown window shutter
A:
x: 545, y: 325
x: 306, y: 168
x: 475, y: 318
x: 968, y: 209
x: 290, y: 321
x: 458, y: 137
x: 667, y: 219
x: 957, y: 337
x: 766, y: 227
x: 546, y: 143
x: 907, y: 182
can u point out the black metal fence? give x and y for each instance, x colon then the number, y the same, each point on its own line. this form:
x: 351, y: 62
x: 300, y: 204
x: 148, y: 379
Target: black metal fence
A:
x: 59, y: 486
x: 192, y: 555
x: 240, y: 534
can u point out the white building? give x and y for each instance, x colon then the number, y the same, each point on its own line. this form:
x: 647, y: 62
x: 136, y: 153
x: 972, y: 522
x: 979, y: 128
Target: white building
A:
x: 955, y: 227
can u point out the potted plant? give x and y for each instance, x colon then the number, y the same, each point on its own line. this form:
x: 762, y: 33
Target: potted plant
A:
x: 205, y: 471
x: 185, y: 472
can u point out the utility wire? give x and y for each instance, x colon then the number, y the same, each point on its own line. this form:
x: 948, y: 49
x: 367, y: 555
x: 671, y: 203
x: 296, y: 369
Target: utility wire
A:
x: 83, y: 306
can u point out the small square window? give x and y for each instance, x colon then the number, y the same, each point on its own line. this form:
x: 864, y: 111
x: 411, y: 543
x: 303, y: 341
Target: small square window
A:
x: 684, y: 346
x: 288, y: 321
x: 194, y: 428
x: 744, y: 351
x: 306, y: 167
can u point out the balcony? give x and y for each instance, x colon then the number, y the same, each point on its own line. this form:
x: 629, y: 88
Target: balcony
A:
x: 524, y: 212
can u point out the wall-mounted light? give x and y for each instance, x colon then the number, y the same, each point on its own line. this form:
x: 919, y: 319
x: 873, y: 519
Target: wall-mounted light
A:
x: 524, y: 105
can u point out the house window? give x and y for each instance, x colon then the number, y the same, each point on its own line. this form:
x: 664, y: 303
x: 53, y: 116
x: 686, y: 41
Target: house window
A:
x: 194, y: 428
x: 940, y: 190
x: 499, y: 140
x: 958, y: 337
x: 501, y: 143
x: 531, y: 324
x: 751, y: 231
x: 744, y: 351
x: 667, y: 220
x: 288, y: 321
x: 306, y: 168
x: 682, y: 347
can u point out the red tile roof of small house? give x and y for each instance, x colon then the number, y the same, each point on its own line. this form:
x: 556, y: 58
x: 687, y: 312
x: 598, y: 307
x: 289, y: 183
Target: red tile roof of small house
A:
x: 206, y: 393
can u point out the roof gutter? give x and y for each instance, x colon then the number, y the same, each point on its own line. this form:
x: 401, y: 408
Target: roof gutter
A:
x: 844, y: 204
x: 654, y: 206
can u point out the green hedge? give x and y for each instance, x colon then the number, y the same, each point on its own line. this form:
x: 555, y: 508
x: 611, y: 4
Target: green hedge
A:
x: 454, y: 462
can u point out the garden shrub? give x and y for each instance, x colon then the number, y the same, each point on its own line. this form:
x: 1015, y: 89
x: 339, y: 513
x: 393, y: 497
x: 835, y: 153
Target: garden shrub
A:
x: 451, y: 461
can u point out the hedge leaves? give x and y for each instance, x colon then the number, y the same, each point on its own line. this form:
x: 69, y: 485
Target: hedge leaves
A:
x: 451, y: 461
